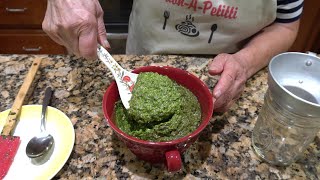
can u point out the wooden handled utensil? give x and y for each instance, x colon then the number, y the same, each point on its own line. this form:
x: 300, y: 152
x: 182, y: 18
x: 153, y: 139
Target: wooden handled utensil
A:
x: 9, y: 144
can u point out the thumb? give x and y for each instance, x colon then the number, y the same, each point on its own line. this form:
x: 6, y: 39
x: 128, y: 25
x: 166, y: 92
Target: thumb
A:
x: 102, y: 34
x: 88, y: 43
x: 216, y: 65
x: 213, y: 101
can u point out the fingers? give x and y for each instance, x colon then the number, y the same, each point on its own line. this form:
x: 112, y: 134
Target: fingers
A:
x: 228, y: 75
x: 52, y: 32
x: 223, y: 108
x: 85, y: 40
x: 227, y: 99
x: 231, y: 82
x: 88, y: 43
x: 222, y: 103
x: 50, y: 29
x: 216, y: 65
x: 70, y: 40
x: 77, y: 25
x: 225, y: 82
x: 102, y: 34
x: 53, y: 36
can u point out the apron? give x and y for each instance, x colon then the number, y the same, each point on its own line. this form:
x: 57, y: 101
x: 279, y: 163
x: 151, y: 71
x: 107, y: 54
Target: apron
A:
x: 196, y: 26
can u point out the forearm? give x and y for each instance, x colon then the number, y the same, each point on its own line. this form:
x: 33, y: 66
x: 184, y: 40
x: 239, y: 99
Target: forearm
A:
x: 272, y: 40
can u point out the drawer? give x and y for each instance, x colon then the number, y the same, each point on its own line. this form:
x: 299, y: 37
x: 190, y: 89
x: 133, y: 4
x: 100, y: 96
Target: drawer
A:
x: 28, y: 42
x: 22, y: 13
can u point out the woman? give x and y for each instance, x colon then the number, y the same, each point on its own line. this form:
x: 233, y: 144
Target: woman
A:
x: 243, y: 35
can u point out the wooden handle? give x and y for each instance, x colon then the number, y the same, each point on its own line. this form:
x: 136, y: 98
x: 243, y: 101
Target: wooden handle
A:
x: 17, y: 104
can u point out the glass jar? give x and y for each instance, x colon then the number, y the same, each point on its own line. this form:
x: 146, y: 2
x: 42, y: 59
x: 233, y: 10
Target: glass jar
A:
x: 280, y: 136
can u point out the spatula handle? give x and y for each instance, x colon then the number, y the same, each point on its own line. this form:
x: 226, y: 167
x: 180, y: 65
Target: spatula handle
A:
x: 111, y: 63
x: 17, y: 104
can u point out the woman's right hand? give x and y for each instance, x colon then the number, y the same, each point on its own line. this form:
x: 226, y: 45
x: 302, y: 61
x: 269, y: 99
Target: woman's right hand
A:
x: 77, y: 25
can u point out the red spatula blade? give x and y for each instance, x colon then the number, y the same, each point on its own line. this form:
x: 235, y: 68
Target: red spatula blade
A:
x: 8, y: 148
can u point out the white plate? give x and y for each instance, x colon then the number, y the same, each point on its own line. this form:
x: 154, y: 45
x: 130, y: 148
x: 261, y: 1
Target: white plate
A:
x: 58, y: 125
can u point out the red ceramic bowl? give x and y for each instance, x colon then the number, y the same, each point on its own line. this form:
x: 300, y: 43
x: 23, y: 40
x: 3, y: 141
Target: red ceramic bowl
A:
x: 162, y: 152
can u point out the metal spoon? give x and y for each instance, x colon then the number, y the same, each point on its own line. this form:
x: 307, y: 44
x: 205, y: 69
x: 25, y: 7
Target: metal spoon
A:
x: 41, y: 143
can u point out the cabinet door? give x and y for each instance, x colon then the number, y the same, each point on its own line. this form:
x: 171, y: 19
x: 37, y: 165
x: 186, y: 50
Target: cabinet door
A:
x: 28, y: 42
x: 308, y: 36
x: 22, y: 13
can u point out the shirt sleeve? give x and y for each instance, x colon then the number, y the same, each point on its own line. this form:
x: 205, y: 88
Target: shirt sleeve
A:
x: 288, y: 10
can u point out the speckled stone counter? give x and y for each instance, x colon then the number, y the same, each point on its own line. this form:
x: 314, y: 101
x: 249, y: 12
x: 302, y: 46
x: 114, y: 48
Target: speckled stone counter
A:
x: 224, y: 146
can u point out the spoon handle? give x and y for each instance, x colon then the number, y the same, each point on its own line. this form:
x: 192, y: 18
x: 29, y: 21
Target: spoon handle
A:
x: 124, y: 79
x: 116, y: 70
x: 46, y: 101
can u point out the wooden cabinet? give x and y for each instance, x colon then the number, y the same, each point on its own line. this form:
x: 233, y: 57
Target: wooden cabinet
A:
x: 20, y: 28
x: 309, y: 33
x: 28, y: 42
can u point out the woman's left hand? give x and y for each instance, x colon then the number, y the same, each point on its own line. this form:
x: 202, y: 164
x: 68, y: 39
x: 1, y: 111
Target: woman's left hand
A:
x: 233, y: 76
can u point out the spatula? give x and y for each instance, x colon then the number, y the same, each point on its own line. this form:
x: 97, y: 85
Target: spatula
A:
x: 9, y: 144
x: 125, y: 80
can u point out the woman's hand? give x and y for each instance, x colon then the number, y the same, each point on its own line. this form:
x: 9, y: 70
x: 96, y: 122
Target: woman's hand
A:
x: 77, y: 25
x: 231, y: 82
x: 235, y: 69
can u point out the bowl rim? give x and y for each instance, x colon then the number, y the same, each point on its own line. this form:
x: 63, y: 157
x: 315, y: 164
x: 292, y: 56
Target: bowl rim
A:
x: 188, y: 137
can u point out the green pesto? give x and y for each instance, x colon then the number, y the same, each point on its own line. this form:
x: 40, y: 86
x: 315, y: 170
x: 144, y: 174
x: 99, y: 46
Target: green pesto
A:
x: 160, y: 109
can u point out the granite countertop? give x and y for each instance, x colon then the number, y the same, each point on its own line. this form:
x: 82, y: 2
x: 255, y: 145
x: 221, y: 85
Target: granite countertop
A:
x: 225, y: 144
